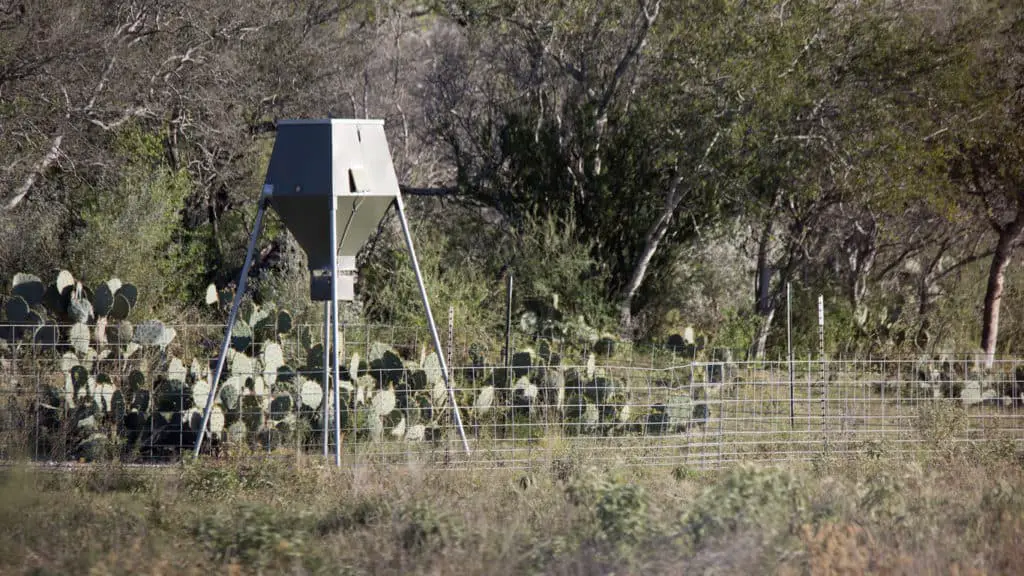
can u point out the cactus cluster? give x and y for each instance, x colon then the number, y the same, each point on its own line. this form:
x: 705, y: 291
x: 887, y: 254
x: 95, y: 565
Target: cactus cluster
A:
x: 585, y: 399
x: 95, y: 407
x: 124, y: 390
x: 35, y: 311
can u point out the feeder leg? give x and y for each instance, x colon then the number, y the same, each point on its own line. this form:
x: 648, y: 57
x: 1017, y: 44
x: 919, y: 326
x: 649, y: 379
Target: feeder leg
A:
x: 334, y: 330
x: 243, y: 279
x: 430, y: 320
x: 327, y: 368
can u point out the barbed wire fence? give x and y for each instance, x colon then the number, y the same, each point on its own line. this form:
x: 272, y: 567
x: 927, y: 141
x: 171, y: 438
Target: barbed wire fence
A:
x: 118, y: 397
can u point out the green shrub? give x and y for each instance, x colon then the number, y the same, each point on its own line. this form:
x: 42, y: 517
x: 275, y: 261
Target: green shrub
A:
x: 620, y: 508
x: 422, y: 527
x: 940, y: 422
x: 134, y: 229
x: 884, y: 496
x: 115, y: 478
x: 209, y: 480
x: 254, y: 534
x: 363, y: 513
x: 747, y: 496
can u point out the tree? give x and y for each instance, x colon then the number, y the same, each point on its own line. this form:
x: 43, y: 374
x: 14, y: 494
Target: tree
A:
x: 208, y: 77
x: 612, y: 127
x: 983, y: 144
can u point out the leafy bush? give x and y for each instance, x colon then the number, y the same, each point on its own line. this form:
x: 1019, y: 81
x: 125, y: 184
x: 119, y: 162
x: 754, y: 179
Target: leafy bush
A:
x: 209, y: 480
x: 619, y: 507
x: 423, y: 526
x: 365, y: 512
x: 254, y: 534
x: 940, y: 422
x: 134, y: 228
x: 747, y: 497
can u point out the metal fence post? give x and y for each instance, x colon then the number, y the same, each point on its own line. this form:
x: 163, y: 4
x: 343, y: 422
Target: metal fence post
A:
x: 824, y: 375
x: 789, y: 355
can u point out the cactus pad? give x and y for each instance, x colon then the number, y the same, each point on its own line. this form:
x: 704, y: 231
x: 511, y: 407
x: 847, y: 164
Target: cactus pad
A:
x: 28, y: 287
x: 79, y: 338
x: 212, y: 296
x: 121, y: 308
x: 432, y: 368
x: 284, y: 322
x: 241, y: 336
x: 230, y: 391
x: 16, y: 309
x: 484, y: 400
x: 102, y: 300
x: 383, y: 403
x: 176, y: 370
x: 200, y: 394
x: 311, y: 394
x: 130, y: 293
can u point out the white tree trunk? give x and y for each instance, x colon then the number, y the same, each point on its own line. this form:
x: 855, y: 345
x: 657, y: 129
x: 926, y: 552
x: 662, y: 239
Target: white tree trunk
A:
x: 652, y: 239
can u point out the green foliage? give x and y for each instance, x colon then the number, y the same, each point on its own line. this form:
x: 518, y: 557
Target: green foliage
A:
x: 736, y: 330
x: 367, y: 511
x: 254, y: 534
x: 620, y: 507
x: 747, y: 496
x: 453, y: 277
x: 552, y: 260
x: 134, y: 228
x: 941, y: 422
x: 423, y: 526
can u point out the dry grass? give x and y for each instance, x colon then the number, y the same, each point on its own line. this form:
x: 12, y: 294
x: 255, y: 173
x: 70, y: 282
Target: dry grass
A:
x: 955, y: 511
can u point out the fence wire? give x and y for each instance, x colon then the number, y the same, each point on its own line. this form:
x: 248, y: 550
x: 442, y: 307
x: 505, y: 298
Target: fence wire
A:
x: 138, y: 396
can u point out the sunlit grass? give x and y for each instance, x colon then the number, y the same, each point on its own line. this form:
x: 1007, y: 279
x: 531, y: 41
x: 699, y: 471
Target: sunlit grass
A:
x: 954, y: 509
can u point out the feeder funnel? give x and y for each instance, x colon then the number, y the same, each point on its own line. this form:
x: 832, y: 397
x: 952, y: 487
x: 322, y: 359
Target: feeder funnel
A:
x: 315, y: 159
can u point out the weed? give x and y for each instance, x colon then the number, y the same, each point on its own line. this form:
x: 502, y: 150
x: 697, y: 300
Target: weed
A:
x: 747, y: 496
x: 940, y: 422
x: 566, y: 465
x: 859, y: 514
x: 253, y: 534
x: 363, y: 513
x: 426, y: 527
x: 619, y: 507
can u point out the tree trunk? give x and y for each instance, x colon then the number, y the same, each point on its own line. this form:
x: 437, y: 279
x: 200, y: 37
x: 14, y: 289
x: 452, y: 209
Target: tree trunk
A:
x: 763, y: 282
x: 859, y: 288
x: 764, y: 302
x: 1008, y: 237
x: 651, y: 242
x: 655, y: 234
x: 763, y: 329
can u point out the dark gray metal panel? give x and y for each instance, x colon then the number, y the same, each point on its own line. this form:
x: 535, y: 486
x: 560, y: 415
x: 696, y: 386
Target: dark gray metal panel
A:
x: 308, y: 218
x: 301, y: 162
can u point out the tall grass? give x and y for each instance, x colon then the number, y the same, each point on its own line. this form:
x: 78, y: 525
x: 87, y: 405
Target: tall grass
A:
x: 956, y: 511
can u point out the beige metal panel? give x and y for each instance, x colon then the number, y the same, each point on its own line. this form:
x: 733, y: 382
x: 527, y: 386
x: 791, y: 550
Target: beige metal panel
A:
x: 358, y: 217
x: 346, y: 152
x: 376, y: 158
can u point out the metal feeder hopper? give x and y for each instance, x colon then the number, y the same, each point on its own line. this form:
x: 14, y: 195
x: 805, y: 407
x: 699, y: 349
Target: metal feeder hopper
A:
x: 331, y: 181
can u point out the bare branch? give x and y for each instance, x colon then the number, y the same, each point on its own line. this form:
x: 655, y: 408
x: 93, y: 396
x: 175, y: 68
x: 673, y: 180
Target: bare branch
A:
x: 42, y: 166
x: 140, y: 112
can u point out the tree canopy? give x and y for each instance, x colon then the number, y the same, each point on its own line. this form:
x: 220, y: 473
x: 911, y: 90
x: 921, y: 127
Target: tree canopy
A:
x: 639, y: 166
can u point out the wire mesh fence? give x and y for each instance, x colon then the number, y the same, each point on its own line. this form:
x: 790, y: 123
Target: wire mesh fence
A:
x: 139, y: 395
